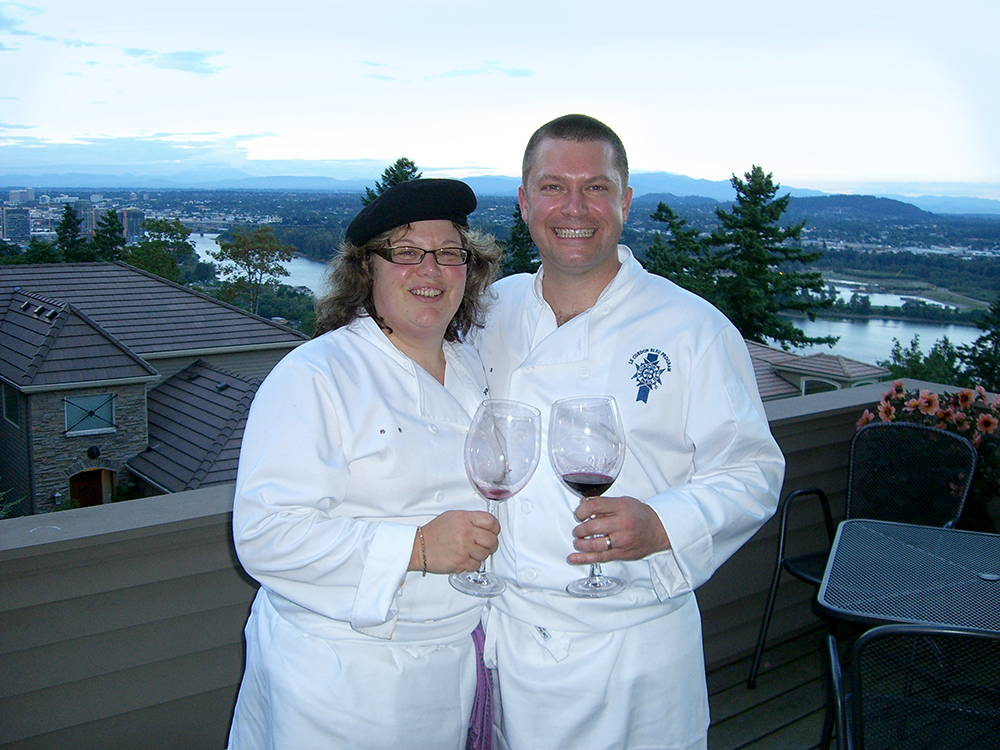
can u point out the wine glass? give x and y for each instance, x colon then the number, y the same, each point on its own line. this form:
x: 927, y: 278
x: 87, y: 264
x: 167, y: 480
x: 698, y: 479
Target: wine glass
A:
x: 587, y: 445
x: 501, y: 453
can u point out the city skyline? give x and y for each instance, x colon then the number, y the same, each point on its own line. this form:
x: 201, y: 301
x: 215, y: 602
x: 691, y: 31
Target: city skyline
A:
x: 891, y: 96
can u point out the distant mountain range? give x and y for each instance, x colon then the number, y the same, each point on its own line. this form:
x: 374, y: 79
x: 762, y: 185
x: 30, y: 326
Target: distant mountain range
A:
x: 643, y: 184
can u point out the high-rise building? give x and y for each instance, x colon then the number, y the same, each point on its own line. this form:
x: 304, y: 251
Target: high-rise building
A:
x: 85, y: 213
x: 131, y: 219
x: 16, y: 225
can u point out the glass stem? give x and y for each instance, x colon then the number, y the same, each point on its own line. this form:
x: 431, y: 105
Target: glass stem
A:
x: 481, y: 575
x: 595, y: 571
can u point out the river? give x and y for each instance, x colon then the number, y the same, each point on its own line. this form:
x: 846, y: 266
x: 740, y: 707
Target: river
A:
x: 863, y: 340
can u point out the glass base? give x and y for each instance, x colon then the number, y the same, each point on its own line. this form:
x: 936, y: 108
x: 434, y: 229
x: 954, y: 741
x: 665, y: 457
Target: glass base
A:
x: 477, y: 583
x: 595, y: 587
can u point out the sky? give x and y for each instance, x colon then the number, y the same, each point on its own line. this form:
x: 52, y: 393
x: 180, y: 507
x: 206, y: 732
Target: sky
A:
x: 836, y: 96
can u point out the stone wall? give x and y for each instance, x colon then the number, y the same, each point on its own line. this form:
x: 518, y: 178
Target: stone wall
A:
x: 55, y: 457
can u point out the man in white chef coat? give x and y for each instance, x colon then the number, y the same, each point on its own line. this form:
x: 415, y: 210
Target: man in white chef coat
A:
x: 702, y: 472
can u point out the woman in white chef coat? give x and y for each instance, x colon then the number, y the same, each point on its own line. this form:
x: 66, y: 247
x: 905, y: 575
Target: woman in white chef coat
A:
x: 352, y: 502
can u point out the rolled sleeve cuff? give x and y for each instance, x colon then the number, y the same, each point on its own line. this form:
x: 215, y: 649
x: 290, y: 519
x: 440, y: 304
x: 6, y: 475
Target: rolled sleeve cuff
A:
x: 689, y: 561
x: 375, y: 603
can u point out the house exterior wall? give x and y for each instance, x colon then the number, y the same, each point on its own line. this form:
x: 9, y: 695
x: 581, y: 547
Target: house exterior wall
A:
x: 56, y: 456
x: 15, y: 479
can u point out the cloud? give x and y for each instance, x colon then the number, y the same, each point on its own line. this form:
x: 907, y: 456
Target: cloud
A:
x: 190, y: 61
x: 490, y: 67
x: 11, y: 18
x: 12, y: 126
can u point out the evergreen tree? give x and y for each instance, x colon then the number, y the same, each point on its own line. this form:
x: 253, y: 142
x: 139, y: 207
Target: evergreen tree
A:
x: 520, y: 254
x: 759, y: 272
x: 109, y: 237
x: 982, y: 357
x: 681, y: 256
x: 40, y: 251
x: 71, y: 244
x: 403, y: 170
x: 251, y: 260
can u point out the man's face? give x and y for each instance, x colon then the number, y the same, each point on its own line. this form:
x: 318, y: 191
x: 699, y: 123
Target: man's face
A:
x: 575, y: 205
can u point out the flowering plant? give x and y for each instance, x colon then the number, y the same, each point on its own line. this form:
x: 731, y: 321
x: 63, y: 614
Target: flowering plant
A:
x: 969, y: 413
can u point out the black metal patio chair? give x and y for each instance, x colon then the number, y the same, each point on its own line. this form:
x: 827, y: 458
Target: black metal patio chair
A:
x: 918, y: 687
x: 897, y: 471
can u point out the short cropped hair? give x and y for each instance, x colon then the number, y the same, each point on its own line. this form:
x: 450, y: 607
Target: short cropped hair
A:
x: 349, y: 281
x: 579, y: 128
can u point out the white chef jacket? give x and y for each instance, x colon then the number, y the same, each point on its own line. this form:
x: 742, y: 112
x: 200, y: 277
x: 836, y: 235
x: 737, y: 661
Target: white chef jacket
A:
x: 348, y: 447
x: 699, y: 452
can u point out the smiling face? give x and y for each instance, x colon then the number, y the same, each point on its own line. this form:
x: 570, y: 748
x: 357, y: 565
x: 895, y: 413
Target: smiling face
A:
x: 418, y: 302
x: 575, y: 205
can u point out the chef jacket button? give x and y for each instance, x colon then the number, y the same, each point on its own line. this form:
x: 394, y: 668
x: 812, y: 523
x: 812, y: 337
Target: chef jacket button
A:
x: 584, y: 372
x: 605, y: 309
x: 526, y: 507
x: 530, y: 575
x: 432, y: 429
x: 438, y: 496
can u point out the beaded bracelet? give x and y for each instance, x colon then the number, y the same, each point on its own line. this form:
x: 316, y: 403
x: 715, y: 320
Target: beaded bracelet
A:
x: 423, y: 551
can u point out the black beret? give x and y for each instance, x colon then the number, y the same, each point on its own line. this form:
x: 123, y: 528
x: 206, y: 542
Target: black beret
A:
x: 413, y: 200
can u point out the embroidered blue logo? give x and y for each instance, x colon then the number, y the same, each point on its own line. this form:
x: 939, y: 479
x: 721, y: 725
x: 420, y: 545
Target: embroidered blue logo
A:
x: 650, y: 364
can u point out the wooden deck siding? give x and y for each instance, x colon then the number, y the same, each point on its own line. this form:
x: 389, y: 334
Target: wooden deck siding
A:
x: 121, y: 625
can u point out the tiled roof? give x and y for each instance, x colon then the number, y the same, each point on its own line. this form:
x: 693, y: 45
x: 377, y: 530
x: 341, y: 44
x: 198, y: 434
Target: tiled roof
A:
x: 48, y: 342
x: 146, y: 313
x: 196, y: 420
x: 769, y: 363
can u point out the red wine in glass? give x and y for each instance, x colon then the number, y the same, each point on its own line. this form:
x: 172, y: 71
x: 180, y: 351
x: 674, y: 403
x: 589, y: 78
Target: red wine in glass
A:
x: 587, y: 447
x: 586, y: 484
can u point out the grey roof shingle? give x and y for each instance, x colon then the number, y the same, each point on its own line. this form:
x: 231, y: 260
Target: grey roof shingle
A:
x: 196, y: 420
x: 148, y: 314
x: 48, y: 342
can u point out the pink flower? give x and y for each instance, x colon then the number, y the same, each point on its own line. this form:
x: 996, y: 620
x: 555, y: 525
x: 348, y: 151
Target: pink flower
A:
x: 981, y: 391
x: 995, y: 403
x: 966, y: 398
x: 987, y: 423
x: 865, y: 419
x: 962, y: 422
x: 911, y: 405
x: 886, y: 411
x: 928, y: 403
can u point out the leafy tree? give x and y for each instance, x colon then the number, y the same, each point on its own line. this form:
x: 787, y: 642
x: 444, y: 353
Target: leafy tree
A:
x: 759, y: 273
x: 251, y: 260
x: 941, y: 365
x: 71, y: 244
x: 8, y: 250
x: 163, y: 249
x: 982, y: 357
x: 403, y: 170
x: 520, y: 253
x: 681, y: 257
x: 109, y: 237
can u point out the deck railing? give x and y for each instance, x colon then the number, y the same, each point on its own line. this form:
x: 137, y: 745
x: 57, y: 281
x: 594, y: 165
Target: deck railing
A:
x: 121, y: 625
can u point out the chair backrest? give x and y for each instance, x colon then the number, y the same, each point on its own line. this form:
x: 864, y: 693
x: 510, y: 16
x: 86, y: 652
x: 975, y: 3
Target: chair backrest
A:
x: 909, y: 473
x: 919, y: 686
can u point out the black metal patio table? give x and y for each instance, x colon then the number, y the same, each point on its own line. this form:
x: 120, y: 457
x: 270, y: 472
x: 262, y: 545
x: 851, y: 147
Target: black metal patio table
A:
x: 880, y: 572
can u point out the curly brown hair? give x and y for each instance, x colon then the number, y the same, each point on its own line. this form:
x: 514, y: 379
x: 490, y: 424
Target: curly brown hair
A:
x: 349, y: 283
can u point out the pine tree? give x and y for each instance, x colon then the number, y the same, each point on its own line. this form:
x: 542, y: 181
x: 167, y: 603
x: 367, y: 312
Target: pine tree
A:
x: 71, y: 244
x: 109, y: 237
x: 982, y: 357
x: 680, y: 256
x: 403, y: 170
x: 759, y: 271
x: 520, y: 254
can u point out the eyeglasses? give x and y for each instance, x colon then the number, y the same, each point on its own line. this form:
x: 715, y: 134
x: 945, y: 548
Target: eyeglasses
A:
x: 414, y: 256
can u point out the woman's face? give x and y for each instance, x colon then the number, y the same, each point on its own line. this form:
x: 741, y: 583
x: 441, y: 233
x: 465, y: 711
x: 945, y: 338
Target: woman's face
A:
x: 418, y: 302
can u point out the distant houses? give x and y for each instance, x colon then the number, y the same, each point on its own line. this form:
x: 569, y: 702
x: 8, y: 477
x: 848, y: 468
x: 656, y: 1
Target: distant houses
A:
x: 112, y: 377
